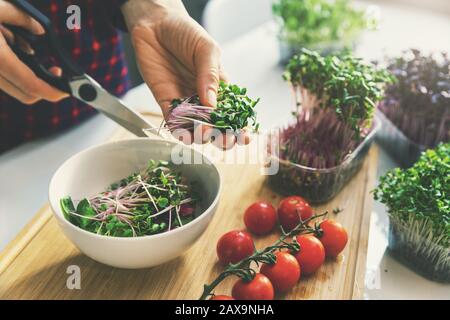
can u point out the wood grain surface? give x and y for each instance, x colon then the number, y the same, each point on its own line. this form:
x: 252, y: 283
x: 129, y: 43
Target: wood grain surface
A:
x: 34, y: 265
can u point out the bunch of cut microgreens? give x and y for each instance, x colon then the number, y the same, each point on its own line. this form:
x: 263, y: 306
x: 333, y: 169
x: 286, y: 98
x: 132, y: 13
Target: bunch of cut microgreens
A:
x: 234, y: 111
x: 156, y: 200
x: 418, y: 103
x: 313, y: 23
x: 243, y: 268
x: 343, y: 83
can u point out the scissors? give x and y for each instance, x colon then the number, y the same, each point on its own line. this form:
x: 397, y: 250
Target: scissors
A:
x: 74, y: 80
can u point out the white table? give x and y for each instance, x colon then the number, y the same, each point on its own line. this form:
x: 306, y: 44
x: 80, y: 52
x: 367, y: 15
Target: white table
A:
x: 251, y: 60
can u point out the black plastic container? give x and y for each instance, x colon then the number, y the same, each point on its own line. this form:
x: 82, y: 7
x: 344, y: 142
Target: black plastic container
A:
x: 405, y: 151
x: 414, y: 249
x: 319, y: 185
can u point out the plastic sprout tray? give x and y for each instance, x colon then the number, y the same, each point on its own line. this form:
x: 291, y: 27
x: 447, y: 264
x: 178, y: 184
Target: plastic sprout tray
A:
x: 319, y: 185
x: 416, y: 251
x: 400, y: 147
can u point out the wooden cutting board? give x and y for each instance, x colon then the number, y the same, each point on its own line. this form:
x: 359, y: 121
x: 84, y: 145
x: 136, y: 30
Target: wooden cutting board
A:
x: 34, y: 265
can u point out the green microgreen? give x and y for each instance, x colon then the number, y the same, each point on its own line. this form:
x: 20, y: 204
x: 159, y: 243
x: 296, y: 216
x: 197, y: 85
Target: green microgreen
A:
x: 337, y: 210
x: 421, y: 193
x: 309, y: 23
x: 235, y: 111
x: 343, y: 83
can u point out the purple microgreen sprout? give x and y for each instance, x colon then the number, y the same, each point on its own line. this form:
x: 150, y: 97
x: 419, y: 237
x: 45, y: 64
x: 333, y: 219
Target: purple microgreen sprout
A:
x: 418, y: 103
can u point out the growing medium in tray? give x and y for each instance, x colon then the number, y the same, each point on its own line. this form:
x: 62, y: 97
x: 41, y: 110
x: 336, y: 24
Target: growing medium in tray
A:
x: 418, y: 202
x: 235, y: 111
x: 157, y: 199
x: 418, y: 103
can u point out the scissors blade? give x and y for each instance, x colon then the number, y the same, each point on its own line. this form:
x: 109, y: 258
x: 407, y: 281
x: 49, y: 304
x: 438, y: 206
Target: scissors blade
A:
x: 91, y: 92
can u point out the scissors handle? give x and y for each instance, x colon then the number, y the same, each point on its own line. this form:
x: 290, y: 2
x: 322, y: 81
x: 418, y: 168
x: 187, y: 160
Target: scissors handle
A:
x: 48, y: 41
x: 30, y: 60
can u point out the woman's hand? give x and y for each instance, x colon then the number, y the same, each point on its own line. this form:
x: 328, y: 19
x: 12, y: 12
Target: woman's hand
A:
x: 16, y: 79
x: 176, y: 56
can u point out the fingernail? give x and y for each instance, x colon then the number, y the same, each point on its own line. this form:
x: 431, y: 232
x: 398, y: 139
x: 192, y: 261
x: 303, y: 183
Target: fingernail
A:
x: 57, y: 71
x: 212, y: 97
x: 38, y: 29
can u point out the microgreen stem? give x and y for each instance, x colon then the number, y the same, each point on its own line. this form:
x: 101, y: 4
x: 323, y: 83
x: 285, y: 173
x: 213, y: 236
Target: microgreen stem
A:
x: 234, y: 111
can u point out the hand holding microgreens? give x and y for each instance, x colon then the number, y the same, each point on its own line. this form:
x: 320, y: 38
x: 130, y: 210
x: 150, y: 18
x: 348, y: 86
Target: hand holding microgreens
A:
x: 235, y: 111
x: 345, y: 84
x: 156, y: 200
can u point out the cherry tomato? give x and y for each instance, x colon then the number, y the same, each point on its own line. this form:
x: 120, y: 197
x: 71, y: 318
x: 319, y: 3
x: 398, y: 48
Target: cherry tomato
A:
x: 234, y: 246
x: 334, y: 237
x: 221, y: 297
x: 291, y: 209
x: 311, y: 255
x: 284, y: 274
x: 260, y: 288
x: 260, y: 218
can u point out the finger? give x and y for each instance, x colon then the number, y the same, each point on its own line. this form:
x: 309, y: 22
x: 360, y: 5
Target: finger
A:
x: 202, y: 134
x: 156, y: 67
x: 243, y: 138
x: 207, y: 133
x: 183, y: 135
x: 25, y: 46
x: 9, y: 14
x: 164, y: 98
x: 207, y: 63
x: 15, y: 92
x: 9, y: 36
x: 223, y: 75
x: 164, y: 94
x: 225, y: 141
x: 22, y: 77
x: 56, y: 71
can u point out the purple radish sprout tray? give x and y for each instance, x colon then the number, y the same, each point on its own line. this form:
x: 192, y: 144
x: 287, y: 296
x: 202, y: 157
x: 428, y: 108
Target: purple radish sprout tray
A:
x: 320, y: 185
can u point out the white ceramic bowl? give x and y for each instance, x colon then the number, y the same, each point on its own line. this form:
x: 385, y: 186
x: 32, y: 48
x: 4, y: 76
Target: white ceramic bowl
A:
x: 92, y: 170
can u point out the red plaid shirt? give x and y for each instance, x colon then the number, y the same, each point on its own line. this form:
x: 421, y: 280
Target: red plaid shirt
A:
x: 96, y: 47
